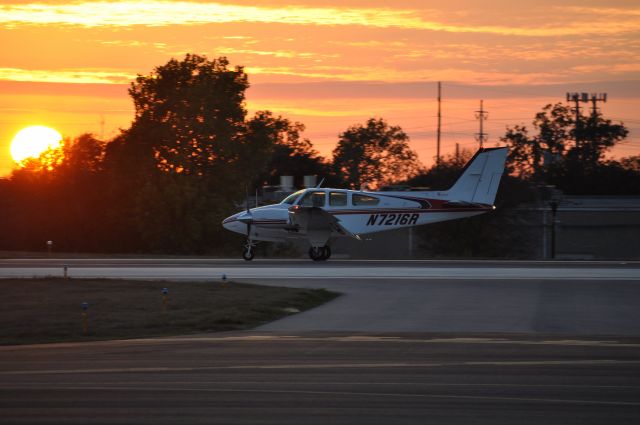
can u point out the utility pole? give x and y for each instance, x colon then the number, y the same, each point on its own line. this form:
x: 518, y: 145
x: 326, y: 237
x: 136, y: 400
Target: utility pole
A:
x: 481, y: 115
x: 576, y: 97
x: 439, y: 123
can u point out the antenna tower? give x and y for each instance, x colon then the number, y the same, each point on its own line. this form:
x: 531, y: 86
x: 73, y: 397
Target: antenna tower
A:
x: 578, y: 98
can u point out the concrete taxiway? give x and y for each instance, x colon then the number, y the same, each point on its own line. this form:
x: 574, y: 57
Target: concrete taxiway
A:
x: 407, y: 342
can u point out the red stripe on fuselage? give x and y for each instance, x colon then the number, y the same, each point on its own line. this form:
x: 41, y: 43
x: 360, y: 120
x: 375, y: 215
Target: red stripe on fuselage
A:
x: 407, y: 210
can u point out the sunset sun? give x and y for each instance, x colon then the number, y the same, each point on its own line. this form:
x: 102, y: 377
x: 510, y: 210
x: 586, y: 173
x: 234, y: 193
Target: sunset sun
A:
x: 31, y: 141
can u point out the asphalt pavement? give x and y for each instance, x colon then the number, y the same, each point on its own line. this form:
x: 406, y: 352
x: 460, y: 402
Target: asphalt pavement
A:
x: 310, y: 378
x: 406, y: 343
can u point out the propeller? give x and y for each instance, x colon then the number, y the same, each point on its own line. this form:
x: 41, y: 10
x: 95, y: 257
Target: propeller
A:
x: 249, y: 217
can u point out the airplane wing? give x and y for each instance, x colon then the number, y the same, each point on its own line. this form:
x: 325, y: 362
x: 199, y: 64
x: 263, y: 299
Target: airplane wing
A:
x: 317, y: 223
x: 340, y: 228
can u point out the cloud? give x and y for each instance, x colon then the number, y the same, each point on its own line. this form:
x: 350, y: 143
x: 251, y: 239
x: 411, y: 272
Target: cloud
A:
x: 599, y: 11
x: 427, y: 90
x: 289, y: 54
x: 155, y: 13
x: 167, y: 13
x: 74, y: 76
x: 391, y: 75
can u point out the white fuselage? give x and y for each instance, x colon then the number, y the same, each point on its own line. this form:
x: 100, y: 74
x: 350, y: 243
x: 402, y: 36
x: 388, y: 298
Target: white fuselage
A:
x: 355, y: 212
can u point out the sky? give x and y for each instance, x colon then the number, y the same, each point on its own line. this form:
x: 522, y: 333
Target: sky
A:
x: 329, y: 64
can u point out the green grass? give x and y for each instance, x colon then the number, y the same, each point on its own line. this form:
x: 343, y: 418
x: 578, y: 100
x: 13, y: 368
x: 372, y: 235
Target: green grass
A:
x: 49, y: 310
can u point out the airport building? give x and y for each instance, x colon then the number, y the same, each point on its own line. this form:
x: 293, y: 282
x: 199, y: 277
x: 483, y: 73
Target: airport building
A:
x: 592, y: 228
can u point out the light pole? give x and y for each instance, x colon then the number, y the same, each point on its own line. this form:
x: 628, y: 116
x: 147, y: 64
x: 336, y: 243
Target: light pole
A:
x: 554, y: 209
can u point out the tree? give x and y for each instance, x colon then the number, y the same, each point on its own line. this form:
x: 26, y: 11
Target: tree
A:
x: 596, y: 136
x: 553, y: 150
x: 59, y: 196
x: 188, y: 114
x: 191, y: 120
x: 443, y: 175
x: 184, y: 161
x: 373, y: 154
x: 177, y: 213
x: 190, y: 153
x: 529, y: 155
x: 607, y: 178
x: 165, y: 183
x: 631, y: 163
x: 283, y: 150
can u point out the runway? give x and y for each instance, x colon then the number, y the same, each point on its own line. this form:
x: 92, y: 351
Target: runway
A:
x: 407, y: 343
x: 310, y: 378
x: 306, y: 269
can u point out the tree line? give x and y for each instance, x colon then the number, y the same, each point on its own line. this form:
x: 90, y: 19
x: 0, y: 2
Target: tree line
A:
x: 164, y: 184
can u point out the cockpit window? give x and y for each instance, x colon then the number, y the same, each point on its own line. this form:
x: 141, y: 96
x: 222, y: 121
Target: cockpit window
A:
x: 313, y: 199
x: 291, y: 199
x: 365, y: 200
x: 338, y: 199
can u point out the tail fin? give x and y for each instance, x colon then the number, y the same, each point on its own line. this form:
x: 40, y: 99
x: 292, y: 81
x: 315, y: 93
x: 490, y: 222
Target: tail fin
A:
x: 480, y: 178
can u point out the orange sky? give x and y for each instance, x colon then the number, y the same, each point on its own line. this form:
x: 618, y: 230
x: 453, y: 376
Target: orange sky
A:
x: 328, y: 64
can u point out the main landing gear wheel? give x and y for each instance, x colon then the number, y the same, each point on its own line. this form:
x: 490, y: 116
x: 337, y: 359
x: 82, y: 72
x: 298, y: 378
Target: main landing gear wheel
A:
x: 320, y: 253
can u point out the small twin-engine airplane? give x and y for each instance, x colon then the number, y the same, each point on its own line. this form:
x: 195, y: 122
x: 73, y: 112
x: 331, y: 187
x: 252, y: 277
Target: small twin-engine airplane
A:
x: 321, y: 214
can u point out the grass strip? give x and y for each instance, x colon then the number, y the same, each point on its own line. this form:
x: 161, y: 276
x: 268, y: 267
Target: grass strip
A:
x: 50, y: 309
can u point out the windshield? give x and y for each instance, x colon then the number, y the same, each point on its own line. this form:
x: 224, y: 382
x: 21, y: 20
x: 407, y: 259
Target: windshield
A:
x: 292, y: 198
x: 313, y: 199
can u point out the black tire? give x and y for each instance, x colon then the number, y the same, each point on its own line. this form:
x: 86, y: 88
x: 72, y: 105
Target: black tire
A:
x: 315, y: 253
x: 320, y: 253
x: 247, y: 254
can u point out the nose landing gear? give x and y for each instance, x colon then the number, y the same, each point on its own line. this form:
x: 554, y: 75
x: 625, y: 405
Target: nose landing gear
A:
x: 247, y: 254
x: 320, y: 253
x: 247, y: 251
